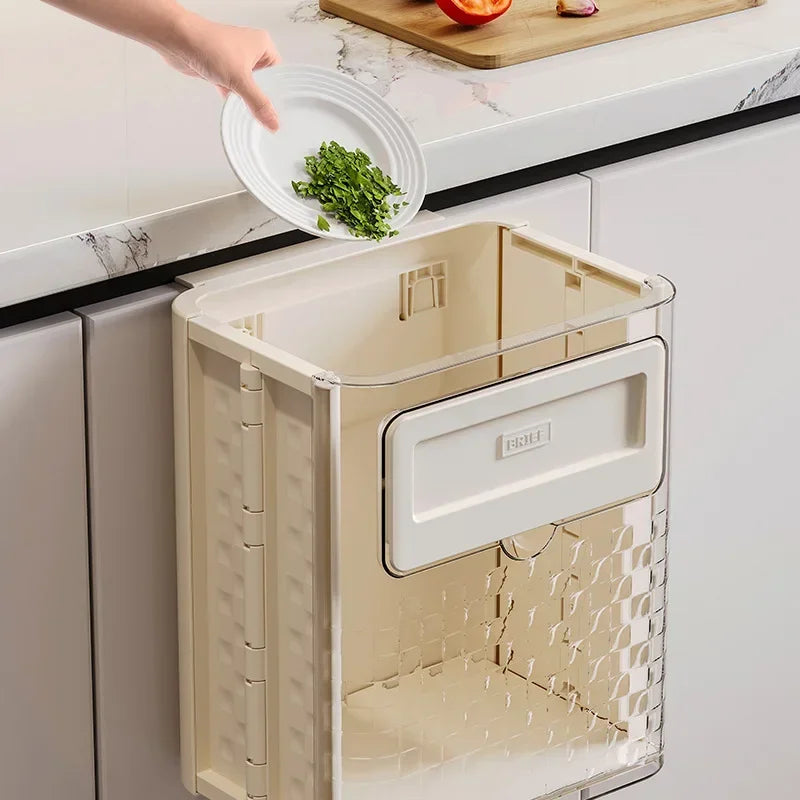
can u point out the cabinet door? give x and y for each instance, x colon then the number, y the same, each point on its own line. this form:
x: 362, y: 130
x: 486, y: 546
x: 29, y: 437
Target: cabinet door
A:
x: 129, y: 406
x: 720, y: 218
x: 46, y: 747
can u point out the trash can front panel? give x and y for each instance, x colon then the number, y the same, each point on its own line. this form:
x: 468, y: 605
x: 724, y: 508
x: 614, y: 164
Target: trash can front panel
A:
x: 422, y: 516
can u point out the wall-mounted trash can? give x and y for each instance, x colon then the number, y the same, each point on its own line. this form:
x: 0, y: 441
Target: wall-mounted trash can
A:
x: 422, y: 512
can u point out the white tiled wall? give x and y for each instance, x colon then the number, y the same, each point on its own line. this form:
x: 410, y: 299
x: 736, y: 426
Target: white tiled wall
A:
x: 62, y: 124
x: 174, y: 151
x: 95, y: 129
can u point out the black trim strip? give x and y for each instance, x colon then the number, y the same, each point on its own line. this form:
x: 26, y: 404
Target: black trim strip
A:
x: 613, y: 154
x: 122, y: 285
x: 437, y: 201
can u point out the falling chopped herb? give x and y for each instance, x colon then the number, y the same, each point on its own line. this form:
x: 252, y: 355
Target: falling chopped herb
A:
x: 352, y: 189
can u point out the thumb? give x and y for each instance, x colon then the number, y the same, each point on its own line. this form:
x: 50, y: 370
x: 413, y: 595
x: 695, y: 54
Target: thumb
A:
x: 258, y: 103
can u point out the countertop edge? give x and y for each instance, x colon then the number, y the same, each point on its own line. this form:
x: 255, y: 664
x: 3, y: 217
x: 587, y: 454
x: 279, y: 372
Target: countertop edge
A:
x: 461, y: 168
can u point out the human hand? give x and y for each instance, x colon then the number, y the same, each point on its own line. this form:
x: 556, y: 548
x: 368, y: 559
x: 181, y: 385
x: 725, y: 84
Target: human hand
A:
x: 221, y: 54
x: 226, y: 56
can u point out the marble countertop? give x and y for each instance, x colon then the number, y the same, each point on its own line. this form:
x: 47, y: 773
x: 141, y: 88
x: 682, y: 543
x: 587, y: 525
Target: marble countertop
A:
x: 472, y: 124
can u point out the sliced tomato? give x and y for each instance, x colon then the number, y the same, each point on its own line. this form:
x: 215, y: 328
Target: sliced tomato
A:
x: 474, y: 12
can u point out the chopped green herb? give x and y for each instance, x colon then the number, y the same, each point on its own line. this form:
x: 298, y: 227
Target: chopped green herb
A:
x: 351, y: 188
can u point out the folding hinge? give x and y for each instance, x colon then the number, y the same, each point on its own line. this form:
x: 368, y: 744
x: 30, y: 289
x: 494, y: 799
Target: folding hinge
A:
x: 255, y: 689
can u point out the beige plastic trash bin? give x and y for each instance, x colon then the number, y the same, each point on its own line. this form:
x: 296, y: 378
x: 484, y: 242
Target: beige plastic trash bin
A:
x: 422, y: 503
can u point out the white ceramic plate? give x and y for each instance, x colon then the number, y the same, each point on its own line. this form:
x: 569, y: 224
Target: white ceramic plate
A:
x: 316, y: 105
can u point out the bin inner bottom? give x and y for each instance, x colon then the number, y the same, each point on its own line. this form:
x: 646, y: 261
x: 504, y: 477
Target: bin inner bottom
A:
x: 473, y: 729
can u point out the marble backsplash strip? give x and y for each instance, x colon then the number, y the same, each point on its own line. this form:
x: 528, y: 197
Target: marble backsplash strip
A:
x: 135, y: 245
x: 781, y: 86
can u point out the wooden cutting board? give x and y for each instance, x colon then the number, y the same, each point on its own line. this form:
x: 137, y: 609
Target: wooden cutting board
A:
x: 530, y: 29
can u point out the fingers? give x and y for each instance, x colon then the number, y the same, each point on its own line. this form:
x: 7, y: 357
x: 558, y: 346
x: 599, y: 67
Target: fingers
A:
x: 258, y: 103
x: 271, y: 58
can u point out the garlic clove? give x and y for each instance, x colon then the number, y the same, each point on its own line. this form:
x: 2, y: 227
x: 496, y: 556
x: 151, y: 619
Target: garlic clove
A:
x: 576, y: 8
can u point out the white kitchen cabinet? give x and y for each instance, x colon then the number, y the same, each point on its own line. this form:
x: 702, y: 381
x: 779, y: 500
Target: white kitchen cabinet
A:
x: 46, y: 745
x: 720, y: 218
x: 130, y: 453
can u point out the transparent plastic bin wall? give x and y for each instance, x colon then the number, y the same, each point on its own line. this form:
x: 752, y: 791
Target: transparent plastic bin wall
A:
x: 510, y: 654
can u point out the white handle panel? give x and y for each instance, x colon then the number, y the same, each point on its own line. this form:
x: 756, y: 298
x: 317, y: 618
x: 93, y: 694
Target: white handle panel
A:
x: 467, y: 472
